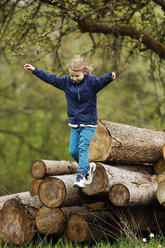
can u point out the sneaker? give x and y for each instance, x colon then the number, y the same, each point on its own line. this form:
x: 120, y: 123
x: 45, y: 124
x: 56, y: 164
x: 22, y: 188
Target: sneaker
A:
x: 80, y: 181
x: 90, y: 172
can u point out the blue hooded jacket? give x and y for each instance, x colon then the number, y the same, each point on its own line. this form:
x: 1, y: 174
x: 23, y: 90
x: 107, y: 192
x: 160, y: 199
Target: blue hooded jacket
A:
x: 81, y: 97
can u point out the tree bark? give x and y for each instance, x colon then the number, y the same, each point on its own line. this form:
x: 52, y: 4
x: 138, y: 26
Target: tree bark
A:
x: 131, y: 194
x: 43, y: 168
x: 90, y: 226
x: 25, y: 198
x: 59, y: 191
x: 49, y: 220
x: 124, y: 144
x: 34, y: 186
x: 16, y: 224
x: 161, y: 193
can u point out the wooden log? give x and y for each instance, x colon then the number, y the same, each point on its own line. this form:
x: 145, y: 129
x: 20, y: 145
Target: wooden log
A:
x: 99, y: 182
x: 118, y: 175
x: 16, y: 224
x: 164, y: 151
x: 131, y: 194
x: 88, y: 226
x: 43, y: 168
x: 49, y: 220
x: 54, y: 220
x: 120, y: 143
x: 34, y: 186
x: 161, y: 193
x: 59, y: 191
x: 25, y: 198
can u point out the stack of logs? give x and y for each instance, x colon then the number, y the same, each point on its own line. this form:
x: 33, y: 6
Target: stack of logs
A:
x: 127, y: 192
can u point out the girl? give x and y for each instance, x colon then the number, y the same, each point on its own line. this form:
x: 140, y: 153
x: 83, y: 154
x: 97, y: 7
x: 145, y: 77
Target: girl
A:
x: 80, y: 89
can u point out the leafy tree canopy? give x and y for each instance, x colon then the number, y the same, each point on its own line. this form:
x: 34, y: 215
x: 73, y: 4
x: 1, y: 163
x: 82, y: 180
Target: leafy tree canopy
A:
x: 138, y: 25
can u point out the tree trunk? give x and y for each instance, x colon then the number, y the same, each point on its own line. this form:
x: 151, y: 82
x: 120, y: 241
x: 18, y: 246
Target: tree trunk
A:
x: 118, y: 175
x: 49, y: 220
x: 34, y: 186
x: 161, y: 193
x: 88, y: 226
x: 43, y: 168
x: 16, y: 224
x: 131, y: 194
x: 120, y: 143
x: 59, y: 191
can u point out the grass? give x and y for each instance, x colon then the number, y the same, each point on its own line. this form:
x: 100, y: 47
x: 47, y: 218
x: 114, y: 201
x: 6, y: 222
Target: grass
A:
x: 152, y: 241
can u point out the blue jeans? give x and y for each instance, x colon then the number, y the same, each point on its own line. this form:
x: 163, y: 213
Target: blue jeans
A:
x: 79, y: 142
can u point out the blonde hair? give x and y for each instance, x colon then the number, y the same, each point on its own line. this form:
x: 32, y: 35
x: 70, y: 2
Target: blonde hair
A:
x: 77, y: 63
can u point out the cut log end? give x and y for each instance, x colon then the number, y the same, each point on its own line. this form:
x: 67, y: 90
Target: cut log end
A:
x: 16, y: 225
x: 34, y: 186
x: 77, y: 228
x: 99, y: 182
x: 38, y: 169
x: 161, y: 193
x: 119, y: 195
x: 48, y: 220
x: 100, y: 144
x: 52, y: 192
x: 159, y: 167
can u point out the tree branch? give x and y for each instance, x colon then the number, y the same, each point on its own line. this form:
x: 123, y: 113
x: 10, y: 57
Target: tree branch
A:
x: 86, y: 25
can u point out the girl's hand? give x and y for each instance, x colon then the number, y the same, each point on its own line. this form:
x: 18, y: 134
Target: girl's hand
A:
x: 29, y: 67
x: 113, y: 76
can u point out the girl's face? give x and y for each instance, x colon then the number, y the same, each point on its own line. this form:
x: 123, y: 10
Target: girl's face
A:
x: 76, y: 76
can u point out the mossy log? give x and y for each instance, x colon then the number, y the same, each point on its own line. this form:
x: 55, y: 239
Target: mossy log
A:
x: 43, y: 168
x: 118, y: 175
x: 17, y: 222
x: 131, y: 194
x: 124, y: 144
x: 88, y: 226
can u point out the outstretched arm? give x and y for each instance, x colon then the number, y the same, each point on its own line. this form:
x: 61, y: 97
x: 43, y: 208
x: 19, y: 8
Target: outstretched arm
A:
x: 98, y: 83
x: 52, y: 79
